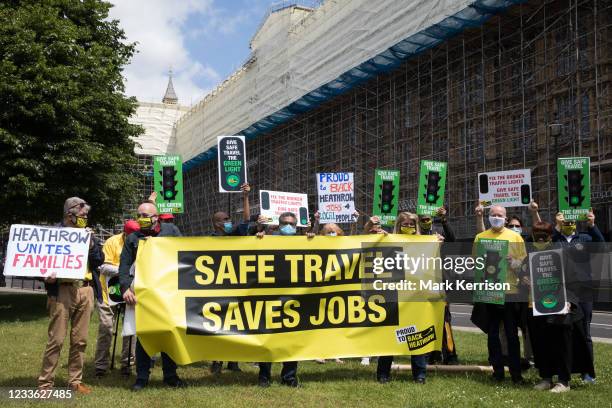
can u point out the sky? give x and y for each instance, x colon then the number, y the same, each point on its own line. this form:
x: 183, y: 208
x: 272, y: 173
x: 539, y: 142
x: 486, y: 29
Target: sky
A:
x: 203, y: 41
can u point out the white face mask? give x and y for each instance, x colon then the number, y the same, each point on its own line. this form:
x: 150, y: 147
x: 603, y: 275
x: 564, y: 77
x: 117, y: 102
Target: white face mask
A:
x: 497, y: 222
x: 518, y: 230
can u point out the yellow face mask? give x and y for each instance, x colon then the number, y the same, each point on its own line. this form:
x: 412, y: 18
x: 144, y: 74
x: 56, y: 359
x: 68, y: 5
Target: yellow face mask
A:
x: 568, y: 230
x: 80, y: 222
x: 426, y: 225
x: 408, y: 230
x: 145, y: 222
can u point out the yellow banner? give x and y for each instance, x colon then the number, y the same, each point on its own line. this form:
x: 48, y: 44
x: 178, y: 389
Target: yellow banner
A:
x: 284, y: 298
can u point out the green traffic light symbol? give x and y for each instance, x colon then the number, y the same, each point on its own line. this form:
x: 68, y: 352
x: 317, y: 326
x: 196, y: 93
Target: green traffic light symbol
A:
x: 233, y: 180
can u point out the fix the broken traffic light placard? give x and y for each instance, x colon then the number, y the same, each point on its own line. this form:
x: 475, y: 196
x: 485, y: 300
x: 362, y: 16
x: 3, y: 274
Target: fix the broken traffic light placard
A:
x: 386, y: 195
x: 432, y: 182
x: 574, y: 187
x: 168, y: 183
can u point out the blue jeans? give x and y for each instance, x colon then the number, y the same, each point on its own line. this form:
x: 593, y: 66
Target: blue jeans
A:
x: 418, y: 364
x: 143, y: 365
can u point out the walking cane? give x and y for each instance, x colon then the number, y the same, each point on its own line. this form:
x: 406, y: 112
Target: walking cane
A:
x: 119, y: 309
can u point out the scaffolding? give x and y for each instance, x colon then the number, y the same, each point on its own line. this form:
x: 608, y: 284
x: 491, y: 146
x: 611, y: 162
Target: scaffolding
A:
x: 529, y: 86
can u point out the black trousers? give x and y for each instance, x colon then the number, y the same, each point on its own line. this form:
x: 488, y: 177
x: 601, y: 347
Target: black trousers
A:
x: 288, y: 373
x: 554, y: 350
x: 508, y: 314
x: 143, y: 364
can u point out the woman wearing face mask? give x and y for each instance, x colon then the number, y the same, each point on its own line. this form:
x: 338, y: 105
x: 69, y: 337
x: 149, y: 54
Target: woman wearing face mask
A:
x: 558, y: 341
x: 515, y: 224
x: 330, y: 230
x: 406, y: 223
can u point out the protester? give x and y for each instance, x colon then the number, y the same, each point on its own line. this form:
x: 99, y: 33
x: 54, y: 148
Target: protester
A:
x: 448, y: 355
x: 489, y: 316
x: 108, y: 314
x: 70, y: 303
x: 223, y: 227
x: 515, y: 224
x: 149, y: 227
x: 406, y: 223
x: 287, y: 223
x: 559, y: 341
x: 330, y: 230
x: 566, y: 235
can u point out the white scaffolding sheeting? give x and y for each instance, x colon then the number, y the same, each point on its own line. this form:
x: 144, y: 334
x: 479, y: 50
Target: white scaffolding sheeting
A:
x: 158, y: 121
x: 296, y: 51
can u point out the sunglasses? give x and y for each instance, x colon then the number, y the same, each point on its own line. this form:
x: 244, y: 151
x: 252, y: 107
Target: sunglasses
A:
x: 80, y: 205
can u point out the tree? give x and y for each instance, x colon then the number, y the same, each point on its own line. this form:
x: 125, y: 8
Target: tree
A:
x: 64, y: 127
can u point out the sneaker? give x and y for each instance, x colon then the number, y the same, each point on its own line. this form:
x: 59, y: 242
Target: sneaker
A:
x: 264, y: 383
x: 320, y: 361
x: 587, y: 379
x: 543, y: 385
x: 339, y: 361
x: 365, y: 361
x: 559, y: 388
x: 80, y: 388
x: 419, y: 380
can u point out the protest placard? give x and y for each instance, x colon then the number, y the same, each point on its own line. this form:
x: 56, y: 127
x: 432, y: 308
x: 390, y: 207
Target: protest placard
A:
x: 547, y: 282
x: 40, y: 251
x: 336, y: 197
x: 386, y: 195
x: 510, y: 188
x: 231, y: 153
x: 168, y: 183
x: 574, y: 187
x: 432, y: 183
x: 274, y: 203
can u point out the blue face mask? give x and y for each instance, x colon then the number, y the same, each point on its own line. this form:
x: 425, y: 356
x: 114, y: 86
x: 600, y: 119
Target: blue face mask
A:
x: 287, y: 229
x: 228, y: 227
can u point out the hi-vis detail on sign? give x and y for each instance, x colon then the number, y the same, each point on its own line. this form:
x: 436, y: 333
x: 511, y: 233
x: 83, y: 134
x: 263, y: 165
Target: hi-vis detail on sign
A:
x: 506, y: 188
x: 336, y: 197
x: 168, y: 184
x: 41, y: 251
x: 574, y: 187
x: 232, y: 163
x: 279, y: 299
x: 274, y: 203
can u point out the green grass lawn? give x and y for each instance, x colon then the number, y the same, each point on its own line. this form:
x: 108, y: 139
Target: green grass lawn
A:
x: 23, y: 325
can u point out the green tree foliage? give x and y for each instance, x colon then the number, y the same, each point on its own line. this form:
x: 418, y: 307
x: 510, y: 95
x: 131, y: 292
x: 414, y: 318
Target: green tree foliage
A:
x: 64, y: 127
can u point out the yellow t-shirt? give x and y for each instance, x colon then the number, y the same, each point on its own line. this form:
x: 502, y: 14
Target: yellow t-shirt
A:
x: 516, y: 250
x: 112, y: 252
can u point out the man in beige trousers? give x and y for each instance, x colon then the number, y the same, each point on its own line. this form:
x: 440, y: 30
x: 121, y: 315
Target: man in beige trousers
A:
x: 70, y: 303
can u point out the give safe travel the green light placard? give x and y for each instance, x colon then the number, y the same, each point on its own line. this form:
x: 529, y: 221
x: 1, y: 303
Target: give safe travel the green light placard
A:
x: 168, y: 184
x: 432, y: 182
x: 386, y: 195
x: 574, y: 187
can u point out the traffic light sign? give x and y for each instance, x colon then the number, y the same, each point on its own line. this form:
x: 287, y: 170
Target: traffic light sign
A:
x: 574, y: 188
x: 168, y: 183
x: 432, y: 187
x: 386, y: 197
x: 432, y: 183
